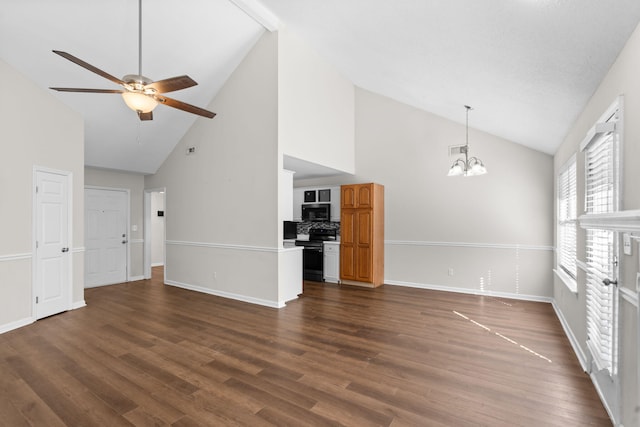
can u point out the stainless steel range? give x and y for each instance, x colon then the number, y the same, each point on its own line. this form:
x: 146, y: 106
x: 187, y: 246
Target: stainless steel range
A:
x: 313, y: 253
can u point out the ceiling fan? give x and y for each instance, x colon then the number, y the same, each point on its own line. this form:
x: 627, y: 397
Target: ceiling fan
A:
x: 140, y: 93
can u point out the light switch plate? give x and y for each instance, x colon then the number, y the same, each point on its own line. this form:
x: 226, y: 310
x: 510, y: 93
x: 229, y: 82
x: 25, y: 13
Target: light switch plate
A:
x: 626, y: 243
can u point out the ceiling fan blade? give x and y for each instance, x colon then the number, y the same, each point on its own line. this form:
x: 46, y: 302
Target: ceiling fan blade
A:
x: 172, y: 84
x: 145, y: 116
x: 89, y: 67
x: 185, y: 107
x: 73, y: 89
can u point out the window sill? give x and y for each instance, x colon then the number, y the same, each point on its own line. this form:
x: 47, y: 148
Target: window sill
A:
x: 568, y: 281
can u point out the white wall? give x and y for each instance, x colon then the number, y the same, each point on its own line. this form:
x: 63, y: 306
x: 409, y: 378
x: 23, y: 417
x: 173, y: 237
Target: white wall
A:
x: 216, y: 240
x: 315, y: 107
x: 135, y: 184
x: 157, y: 229
x: 494, y: 231
x: 622, y: 79
x: 36, y: 130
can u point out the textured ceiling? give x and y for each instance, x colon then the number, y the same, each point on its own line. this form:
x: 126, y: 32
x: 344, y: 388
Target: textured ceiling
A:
x: 527, y: 67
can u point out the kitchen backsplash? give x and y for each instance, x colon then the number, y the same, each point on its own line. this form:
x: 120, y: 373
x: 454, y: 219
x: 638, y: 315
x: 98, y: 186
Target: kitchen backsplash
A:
x: 305, y: 226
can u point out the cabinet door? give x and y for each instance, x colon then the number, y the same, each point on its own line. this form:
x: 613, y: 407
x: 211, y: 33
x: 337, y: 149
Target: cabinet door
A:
x: 348, y: 196
x: 363, y: 247
x: 356, y: 196
x: 347, y: 245
x: 331, y: 263
x: 364, y: 196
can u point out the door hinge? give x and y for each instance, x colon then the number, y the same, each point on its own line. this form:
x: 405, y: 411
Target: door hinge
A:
x: 36, y: 300
x: 37, y: 189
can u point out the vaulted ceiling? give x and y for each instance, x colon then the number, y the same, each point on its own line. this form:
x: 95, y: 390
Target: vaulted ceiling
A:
x: 527, y: 67
x: 205, y: 39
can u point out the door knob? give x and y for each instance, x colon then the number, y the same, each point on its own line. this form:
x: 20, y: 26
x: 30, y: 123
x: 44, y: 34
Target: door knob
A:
x: 124, y: 241
x: 608, y: 282
x: 65, y: 249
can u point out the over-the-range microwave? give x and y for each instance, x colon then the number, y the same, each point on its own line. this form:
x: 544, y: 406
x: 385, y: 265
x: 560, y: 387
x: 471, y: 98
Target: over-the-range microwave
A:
x: 316, y: 212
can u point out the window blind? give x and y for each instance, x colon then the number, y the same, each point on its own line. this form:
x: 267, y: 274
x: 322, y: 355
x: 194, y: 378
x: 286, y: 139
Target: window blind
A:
x: 567, y: 219
x: 600, y: 168
x: 601, y: 300
x: 601, y: 186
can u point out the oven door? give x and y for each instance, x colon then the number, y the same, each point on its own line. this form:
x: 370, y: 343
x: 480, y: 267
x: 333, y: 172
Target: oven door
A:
x: 312, y: 263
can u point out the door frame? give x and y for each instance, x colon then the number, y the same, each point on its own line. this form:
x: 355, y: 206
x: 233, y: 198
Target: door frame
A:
x: 147, y: 232
x: 34, y: 235
x: 127, y: 220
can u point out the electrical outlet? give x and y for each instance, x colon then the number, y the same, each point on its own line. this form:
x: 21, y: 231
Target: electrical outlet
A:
x: 191, y: 150
x: 450, y: 271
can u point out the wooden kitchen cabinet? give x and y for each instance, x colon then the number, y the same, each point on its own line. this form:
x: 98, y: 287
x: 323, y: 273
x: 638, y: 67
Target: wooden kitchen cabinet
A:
x: 358, y: 196
x: 362, y: 234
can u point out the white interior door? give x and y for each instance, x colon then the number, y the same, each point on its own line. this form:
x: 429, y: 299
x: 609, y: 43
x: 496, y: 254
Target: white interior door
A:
x: 105, y: 236
x: 52, y: 269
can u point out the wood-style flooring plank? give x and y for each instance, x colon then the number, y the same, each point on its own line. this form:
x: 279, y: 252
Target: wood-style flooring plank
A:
x: 143, y: 353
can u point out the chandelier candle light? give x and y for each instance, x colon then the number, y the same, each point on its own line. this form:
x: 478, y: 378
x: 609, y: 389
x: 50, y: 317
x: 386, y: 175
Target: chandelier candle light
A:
x: 468, y: 166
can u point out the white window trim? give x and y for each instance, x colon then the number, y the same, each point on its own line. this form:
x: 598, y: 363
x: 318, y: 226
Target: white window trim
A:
x: 569, y: 281
x: 602, y: 126
x: 606, y: 124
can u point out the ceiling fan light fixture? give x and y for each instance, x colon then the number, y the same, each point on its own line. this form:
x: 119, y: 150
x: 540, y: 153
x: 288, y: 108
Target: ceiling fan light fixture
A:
x: 139, y: 102
x: 140, y: 93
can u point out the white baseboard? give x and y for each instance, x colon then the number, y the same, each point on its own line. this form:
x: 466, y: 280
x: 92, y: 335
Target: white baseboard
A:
x: 78, y: 304
x: 157, y: 264
x: 607, y: 408
x: 509, y: 295
x: 229, y: 295
x: 29, y: 320
x: 582, y: 358
x: 16, y: 324
x: 136, y: 278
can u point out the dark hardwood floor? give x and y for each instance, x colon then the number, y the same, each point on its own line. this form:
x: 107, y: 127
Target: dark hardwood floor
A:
x: 142, y: 353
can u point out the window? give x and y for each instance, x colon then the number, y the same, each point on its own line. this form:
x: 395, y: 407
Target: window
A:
x: 601, y: 196
x: 567, y: 220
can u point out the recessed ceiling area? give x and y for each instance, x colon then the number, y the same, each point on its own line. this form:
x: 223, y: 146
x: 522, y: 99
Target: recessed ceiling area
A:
x: 307, y: 170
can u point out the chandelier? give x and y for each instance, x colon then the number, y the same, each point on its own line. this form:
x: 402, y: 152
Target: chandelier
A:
x: 468, y: 166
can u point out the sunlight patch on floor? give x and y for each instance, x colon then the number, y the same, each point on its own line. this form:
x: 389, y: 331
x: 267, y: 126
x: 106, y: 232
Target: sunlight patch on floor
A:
x: 498, y: 334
